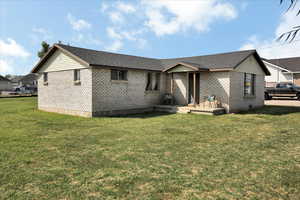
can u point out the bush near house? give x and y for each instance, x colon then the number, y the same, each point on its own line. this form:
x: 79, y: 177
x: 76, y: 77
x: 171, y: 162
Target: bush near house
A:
x: 243, y: 156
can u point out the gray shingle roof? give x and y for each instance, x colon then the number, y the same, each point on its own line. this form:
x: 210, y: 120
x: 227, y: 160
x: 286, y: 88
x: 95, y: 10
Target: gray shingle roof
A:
x: 291, y: 64
x: 101, y: 58
x: 216, y: 61
x: 29, y: 78
x: 2, y: 78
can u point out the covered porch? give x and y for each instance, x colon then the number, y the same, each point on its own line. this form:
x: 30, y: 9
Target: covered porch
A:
x: 186, y: 89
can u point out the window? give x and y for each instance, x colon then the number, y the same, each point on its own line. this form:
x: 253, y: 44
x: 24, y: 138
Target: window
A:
x: 45, y: 77
x: 157, y: 81
x: 76, y: 75
x: 249, y: 84
x: 153, y: 81
x: 120, y: 75
x: 149, y: 81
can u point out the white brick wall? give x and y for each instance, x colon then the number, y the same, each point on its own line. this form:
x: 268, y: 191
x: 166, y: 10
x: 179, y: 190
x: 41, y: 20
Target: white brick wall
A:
x: 111, y: 95
x: 61, y: 95
x: 237, y: 100
x: 215, y: 83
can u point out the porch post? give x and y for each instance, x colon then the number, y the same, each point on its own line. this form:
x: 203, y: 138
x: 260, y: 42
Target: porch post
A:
x: 199, y: 100
x: 171, y: 83
x: 194, y: 82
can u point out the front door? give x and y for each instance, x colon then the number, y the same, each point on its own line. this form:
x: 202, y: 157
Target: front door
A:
x: 194, y: 83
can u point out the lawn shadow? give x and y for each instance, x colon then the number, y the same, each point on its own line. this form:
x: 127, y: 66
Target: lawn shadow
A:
x: 273, y: 110
x: 144, y: 115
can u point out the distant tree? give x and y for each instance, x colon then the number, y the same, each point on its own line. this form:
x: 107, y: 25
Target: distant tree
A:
x: 290, y: 35
x: 44, y: 50
x: 8, y: 76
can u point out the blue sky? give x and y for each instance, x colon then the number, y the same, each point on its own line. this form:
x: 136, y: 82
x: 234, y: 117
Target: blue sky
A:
x: 151, y: 28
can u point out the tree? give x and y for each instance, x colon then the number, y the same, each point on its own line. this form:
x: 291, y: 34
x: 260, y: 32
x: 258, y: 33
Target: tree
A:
x: 8, y: 76
x: 44, y: 50
x: 290, y: 35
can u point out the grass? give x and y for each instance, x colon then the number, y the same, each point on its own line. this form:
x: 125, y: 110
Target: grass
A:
x: 252, y: 155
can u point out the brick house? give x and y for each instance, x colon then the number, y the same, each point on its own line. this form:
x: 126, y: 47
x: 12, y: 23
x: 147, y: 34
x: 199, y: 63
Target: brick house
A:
x: 283, y: 70
x: 86, y: 82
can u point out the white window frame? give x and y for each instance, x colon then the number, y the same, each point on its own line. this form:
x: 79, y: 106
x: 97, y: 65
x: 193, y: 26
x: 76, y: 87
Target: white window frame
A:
x: 249, y: 84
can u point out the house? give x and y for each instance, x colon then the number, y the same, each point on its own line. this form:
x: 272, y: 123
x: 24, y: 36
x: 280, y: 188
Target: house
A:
x: 15, y: 80
x: 283, y: 70
x: 86, y: 82
x: 5, y: 84
x: 29, y: 82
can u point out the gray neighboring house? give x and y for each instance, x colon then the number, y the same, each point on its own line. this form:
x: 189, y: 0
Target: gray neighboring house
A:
x: 283, y: 70
x: 5, y: 84
x: 29, y: 82
x: 15, y: 80
x: 89, y: 83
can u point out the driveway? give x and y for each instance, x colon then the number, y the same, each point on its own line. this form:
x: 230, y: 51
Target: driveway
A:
x: 283, y: 102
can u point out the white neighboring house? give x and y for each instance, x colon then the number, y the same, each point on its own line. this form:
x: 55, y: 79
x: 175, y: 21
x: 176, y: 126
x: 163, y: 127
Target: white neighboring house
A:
x: 283, y: 70
x: 5, y: 84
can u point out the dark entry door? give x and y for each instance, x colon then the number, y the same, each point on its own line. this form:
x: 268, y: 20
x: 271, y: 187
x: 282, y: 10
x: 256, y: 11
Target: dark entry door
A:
x: 192, y: 99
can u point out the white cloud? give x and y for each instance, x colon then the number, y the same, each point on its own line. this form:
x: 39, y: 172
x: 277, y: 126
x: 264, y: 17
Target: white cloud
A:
x: 78, y: 24
x: 12, y: 48
x: 169, y: 16
x: 115, y: 46
x: 125, y: 7
x: 5, y: 67
x: 121, y: 35
x: 87, y: 39
x: 104, y: 7
x: 116, y: 17
x: 111, y: 32
x: 270, y: 48
x: 40, y: 34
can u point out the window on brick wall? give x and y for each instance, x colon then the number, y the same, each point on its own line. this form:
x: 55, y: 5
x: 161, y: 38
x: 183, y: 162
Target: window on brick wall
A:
x: 120, y: 75
x: 149, y: 81
x: 157, y: 81
x: 249, y: 84
x: 153, y: 81
x: 45, y: 78
x: 76, y: 75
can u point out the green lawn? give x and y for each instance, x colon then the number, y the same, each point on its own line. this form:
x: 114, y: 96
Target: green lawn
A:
x: 180, y: 156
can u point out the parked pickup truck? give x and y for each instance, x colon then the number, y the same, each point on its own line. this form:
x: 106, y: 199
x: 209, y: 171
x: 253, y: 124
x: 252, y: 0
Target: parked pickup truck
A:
x: 283, y: 90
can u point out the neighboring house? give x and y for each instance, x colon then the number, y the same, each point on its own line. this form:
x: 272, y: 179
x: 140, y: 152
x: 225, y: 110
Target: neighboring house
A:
x: 29, y: 82
x: 90, y: 83
x: 283, y: 70
x: 15, y: 80
x: 5, y: 84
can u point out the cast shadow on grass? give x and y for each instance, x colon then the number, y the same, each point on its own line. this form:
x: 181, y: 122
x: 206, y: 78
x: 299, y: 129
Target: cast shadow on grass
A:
x: 273, y: 110
x: 144, y: 115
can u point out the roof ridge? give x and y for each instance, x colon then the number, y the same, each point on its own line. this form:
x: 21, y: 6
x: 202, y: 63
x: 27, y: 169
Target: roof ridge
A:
x: 158, y: 59
x: 61, y: 45
x: 216, y: 54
